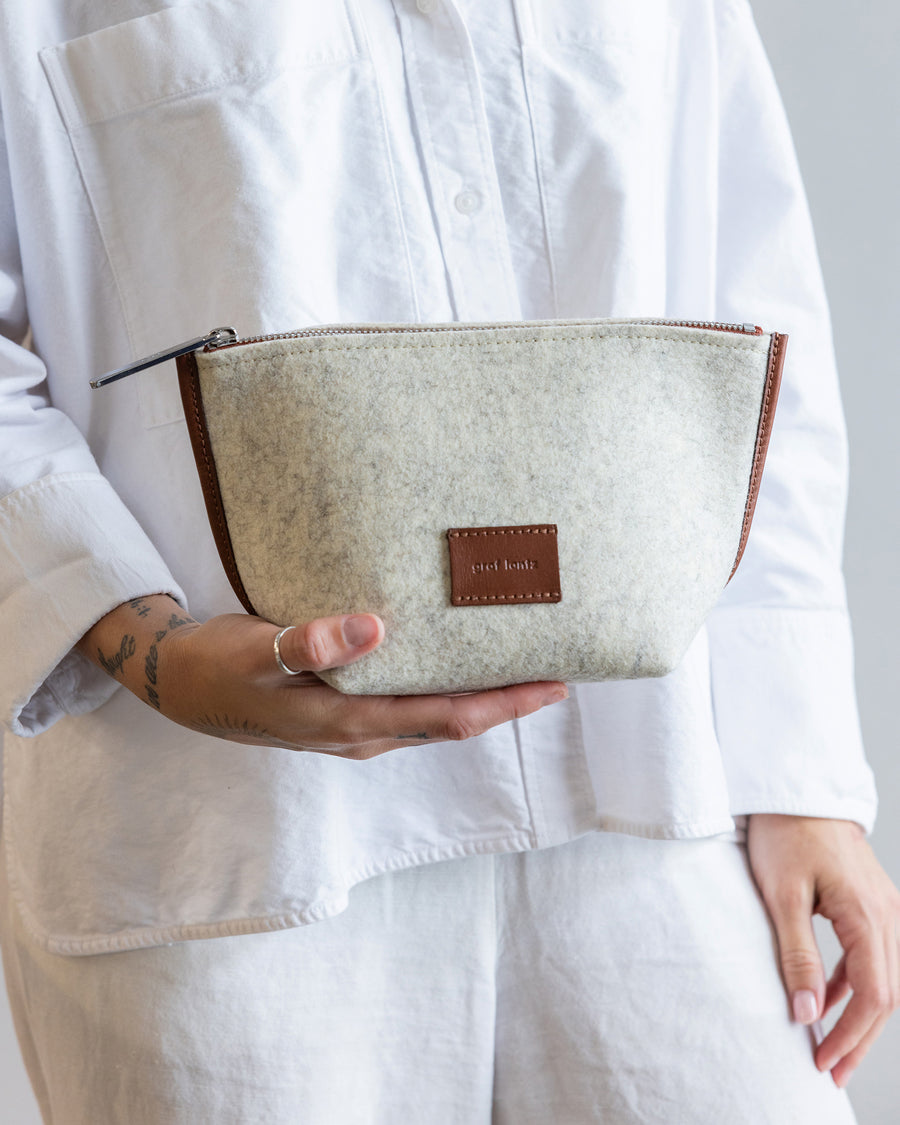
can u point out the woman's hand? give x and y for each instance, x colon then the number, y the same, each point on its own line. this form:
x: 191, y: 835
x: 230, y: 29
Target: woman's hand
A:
x: 809, y: 865
x: 221, y: 678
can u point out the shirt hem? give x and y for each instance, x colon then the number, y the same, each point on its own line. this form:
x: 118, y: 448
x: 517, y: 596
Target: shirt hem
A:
x: 669, y: 830
x: 322, y: 908
x: 318, y: 910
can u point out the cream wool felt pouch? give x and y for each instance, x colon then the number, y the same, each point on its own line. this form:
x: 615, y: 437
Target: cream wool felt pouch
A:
x: 540, y: 500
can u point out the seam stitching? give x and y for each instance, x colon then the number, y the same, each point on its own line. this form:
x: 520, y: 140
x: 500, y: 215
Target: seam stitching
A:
x: 288, y: 350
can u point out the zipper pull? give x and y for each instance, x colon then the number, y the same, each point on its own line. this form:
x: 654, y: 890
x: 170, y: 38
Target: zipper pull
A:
x: 214, y: 339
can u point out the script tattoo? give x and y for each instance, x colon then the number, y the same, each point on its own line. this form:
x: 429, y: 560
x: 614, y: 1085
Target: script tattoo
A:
x: 139, y: 606
x: 421, y: 734
x: 151, y: 661
x: 175, y: 621
x: 150, y: 667
x: 113, y: 664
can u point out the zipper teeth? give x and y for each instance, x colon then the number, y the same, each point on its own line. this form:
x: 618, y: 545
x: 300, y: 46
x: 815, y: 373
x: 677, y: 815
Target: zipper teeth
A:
x: 341, y: 330
x: 716, y: 325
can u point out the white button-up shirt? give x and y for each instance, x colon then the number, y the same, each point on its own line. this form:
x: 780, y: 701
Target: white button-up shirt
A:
x: 172, y: 166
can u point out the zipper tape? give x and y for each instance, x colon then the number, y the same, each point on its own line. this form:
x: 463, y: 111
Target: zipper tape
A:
x: 228, y: 337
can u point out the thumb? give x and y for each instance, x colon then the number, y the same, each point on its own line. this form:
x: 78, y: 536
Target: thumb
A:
x: 801, y: 962
x: 330, y: 642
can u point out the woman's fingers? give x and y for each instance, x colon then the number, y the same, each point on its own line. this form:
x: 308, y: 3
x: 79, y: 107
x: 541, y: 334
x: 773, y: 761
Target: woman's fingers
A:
x: 875, y: 998
x: 329, y: 642
x: 453, y: 718
x: 391, y: 721
x: 866, y: 1012
x: 838, y: 986
x: 224, y: 679
x: 363, y: 726
x: 792, y: 856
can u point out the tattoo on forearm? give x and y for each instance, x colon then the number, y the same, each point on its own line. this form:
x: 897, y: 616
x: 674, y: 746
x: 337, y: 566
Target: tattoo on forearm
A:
x: 222, y: 725
x: 113, y: 664
x: 150, y: 665
x: 139, y: 606
x: 421, y: 734
x: 175, y: 621
x: 151, y: 661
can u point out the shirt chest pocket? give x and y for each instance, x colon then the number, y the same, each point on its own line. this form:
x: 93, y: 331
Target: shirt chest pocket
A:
x: 239, y: 170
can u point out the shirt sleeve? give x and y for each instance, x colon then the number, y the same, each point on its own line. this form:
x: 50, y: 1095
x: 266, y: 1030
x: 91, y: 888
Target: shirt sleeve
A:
x: 70, y: 551
x: 781, y: 642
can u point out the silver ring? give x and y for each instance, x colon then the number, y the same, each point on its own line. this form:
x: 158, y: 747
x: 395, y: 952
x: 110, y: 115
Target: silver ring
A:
x: 281, y: 664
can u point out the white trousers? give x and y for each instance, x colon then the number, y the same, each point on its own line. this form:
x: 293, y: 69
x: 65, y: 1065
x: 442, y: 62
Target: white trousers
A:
x: 612, y: 979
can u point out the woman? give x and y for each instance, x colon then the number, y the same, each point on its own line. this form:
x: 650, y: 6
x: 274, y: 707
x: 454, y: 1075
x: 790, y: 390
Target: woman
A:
x: 543, y: 908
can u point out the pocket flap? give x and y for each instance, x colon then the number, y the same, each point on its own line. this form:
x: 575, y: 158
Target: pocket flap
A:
x: 179, y: 51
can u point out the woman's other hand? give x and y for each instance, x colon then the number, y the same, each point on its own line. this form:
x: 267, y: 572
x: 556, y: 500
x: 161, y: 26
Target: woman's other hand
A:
x: 810, y: 865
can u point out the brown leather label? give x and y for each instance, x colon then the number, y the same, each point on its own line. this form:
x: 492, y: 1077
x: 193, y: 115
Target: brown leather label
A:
x: 504, y: 565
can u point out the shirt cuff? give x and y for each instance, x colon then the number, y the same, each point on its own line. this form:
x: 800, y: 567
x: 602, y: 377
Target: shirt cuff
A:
x: 786, y: 714
x: 70, y: 551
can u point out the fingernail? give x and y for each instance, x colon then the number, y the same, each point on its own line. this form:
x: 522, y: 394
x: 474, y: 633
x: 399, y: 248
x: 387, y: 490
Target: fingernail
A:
x: 358, y: 631
x: 557, y: 695
x: 806, y: 1006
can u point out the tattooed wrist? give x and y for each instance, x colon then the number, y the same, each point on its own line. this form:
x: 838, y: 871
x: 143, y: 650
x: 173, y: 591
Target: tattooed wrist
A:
x: 151, y: 661
x: 125, y: 642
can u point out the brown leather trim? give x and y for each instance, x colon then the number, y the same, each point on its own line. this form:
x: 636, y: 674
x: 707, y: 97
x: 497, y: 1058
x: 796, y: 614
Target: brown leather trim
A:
x: 777, y: 349
x: 189, y: 383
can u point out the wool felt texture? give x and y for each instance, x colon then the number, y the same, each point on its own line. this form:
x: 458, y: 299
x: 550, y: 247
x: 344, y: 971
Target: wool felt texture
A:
x: 343, y: 459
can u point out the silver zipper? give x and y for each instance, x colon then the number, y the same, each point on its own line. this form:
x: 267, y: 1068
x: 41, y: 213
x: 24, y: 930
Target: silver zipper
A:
x: 227, y: 337
x: 341, y: 329
x: 215, y: 338
x: 714, y: 325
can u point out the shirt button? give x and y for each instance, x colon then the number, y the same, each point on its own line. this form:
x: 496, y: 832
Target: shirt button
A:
x: 467, y: 202
x: 426, y: 6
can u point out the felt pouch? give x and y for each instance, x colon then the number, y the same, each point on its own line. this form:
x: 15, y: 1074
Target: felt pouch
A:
x: 541, y: 500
